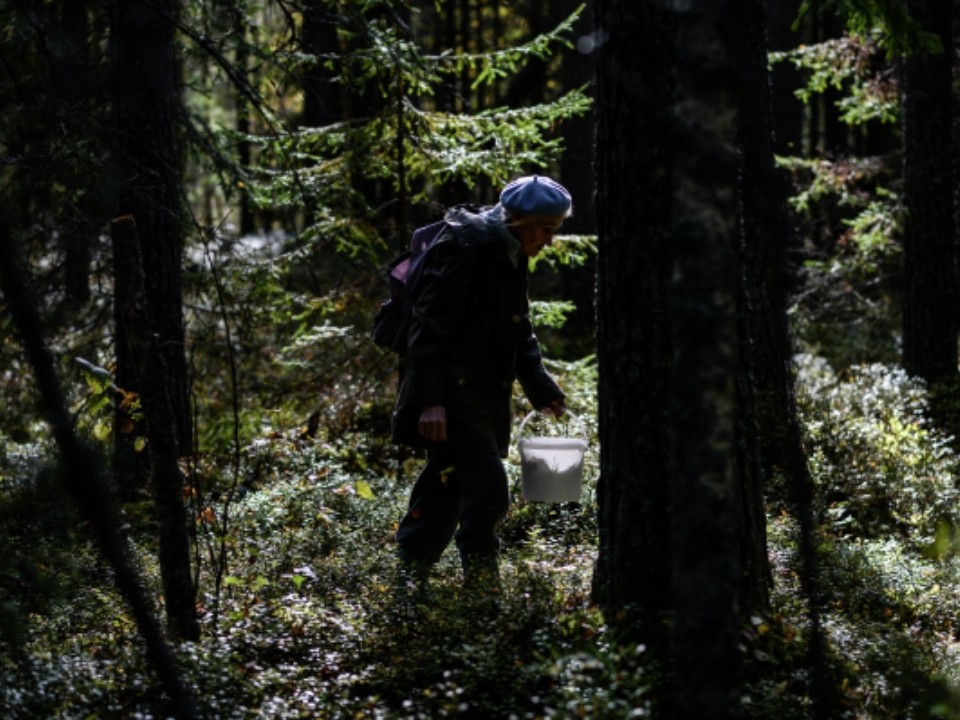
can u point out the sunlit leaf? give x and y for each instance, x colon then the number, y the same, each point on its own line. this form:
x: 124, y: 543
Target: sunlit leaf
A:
x: 364, y: 490
x: 101, y: 430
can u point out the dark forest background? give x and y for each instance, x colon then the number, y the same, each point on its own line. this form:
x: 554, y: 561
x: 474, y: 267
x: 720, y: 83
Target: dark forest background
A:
x: 752, y: 310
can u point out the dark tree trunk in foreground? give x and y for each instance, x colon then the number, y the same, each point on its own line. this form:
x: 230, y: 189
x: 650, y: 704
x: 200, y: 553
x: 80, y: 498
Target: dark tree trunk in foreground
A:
x: 930, y: 277
x: 705, y: 507
x: 147, y: 163
x: 153, y: 379
x: 634, y: 85
x: 691, y: 315
x: 147, y: 301
x: 84, y: 478
x: 767, y: 411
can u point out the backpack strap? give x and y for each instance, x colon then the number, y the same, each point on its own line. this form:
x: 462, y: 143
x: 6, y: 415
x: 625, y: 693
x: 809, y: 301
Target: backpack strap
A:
x: 425, y: 236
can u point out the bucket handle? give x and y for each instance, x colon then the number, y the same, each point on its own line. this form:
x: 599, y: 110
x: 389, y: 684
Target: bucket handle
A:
x: 574, y: 417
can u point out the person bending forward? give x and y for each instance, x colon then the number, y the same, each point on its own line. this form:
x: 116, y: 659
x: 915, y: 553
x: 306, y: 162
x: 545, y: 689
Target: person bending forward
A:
x: 469, y: 339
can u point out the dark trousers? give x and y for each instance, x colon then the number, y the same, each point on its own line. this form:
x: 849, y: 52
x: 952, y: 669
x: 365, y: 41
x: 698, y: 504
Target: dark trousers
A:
x: 462, y: 497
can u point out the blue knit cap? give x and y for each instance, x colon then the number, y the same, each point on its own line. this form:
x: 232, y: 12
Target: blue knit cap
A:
x: 535, y: 195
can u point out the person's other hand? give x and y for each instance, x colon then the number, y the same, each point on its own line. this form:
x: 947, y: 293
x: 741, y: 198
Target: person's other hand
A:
x: 433, y: 423
x: 557, y: 408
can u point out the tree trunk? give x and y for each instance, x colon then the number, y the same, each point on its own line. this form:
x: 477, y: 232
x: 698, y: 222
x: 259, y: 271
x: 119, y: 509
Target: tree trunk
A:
x: 828, y: 134
x: 686, y: 193
x: 577, y: 174
x: 765, y: 343
x: 955, y: 123
x: 244, y: 146
x: 705, y: 280
x: 70, y: 56
x: 930, y: 322
x: 147, y: 163
x: 788, y: 109
x: 83, y: 477
x: 322, y: 104
x: 771, y: 442
x: 634, y: 83
x: 153, y: 379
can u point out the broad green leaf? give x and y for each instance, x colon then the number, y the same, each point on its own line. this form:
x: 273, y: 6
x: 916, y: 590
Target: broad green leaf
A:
x: 364, y: 490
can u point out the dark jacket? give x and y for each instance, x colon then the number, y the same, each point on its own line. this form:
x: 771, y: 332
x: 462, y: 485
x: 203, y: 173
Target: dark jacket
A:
x: 471, y: 337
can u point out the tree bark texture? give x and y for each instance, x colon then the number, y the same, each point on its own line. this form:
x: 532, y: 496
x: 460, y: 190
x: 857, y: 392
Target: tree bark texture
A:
x: 690, y: 307
x: 705, y: 282
x: 767, y: 393
x: 153, y: 379
x: 930, y: 322
x: 634, y: 83
x: 788, y: 110
x: 768, y: 401
x: 322, y: 103
x: 955, y: 126
x: 147, y: 163
x: 74, y: 73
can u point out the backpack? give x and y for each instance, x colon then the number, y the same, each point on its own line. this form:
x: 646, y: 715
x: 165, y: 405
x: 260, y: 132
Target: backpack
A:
x: 392, y: 321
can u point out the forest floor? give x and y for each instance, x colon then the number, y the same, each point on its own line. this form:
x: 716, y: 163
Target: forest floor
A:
x: 307, y: 622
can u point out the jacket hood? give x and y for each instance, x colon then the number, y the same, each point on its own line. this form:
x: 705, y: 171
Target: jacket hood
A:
x: 478, y: 226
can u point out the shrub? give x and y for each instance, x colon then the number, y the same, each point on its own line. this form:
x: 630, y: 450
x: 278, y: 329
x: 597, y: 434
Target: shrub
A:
x: 880, y: 465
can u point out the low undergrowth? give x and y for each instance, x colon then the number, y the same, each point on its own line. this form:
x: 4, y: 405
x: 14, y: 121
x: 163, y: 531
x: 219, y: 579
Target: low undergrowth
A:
x: 305, y: 621
x: 887, y: 571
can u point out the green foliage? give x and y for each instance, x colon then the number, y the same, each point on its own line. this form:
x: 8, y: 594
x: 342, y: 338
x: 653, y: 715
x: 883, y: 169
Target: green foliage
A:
x: 567, y: 251
x: 550, y: 314
x: 492, y: 66
x: 396, y: 143
x: 888, y: 471
x: 885, y: 502
x: 873, y: 234
x: 848, y: 211
x: 307, y: 621
x: 103, y: 401
x: 870, y: 247
x: 850, y: 192
x: 492, y: 144
x: 884, y: 614
x: 433, y: 148
x: 847, y: 64
x: 900, y: 33
x: 843, y: 182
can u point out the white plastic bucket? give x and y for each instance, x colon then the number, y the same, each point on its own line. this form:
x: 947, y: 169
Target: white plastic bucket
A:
x: 551, y: 468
